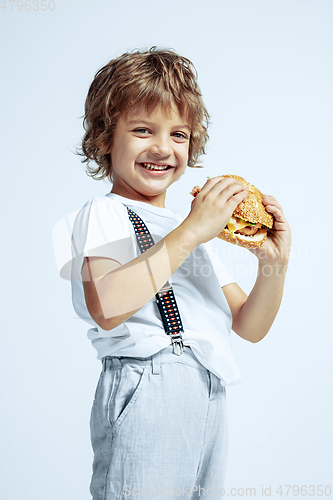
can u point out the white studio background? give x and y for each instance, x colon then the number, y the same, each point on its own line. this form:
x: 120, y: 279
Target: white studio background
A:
x: 265, y: 71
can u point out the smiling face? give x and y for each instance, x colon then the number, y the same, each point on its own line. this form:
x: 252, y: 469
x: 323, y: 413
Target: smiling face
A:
x: 149, y: 152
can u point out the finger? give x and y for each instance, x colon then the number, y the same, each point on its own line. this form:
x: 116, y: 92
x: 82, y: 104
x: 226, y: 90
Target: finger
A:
x: 219, y: 185
x: 236, y: 199
x: 270, y: 200
x: 209, y: 184
x: 279, y: 217
x: 230, y: 197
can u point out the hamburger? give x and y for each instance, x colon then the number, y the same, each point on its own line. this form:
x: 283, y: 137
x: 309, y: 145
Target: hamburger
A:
x: 249, y: 222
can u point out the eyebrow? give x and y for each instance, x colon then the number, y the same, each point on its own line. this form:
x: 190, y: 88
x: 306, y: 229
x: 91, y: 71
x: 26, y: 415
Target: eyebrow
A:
x: 145, y: 122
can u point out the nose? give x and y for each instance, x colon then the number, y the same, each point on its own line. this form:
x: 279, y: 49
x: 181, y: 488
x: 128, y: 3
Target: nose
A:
x: 161, y: 146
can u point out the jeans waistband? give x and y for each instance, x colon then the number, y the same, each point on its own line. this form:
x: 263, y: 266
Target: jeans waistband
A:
x: 165, y: 356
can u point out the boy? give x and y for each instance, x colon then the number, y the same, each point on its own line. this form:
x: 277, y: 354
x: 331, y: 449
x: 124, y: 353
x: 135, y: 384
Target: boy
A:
x: 158, y: 422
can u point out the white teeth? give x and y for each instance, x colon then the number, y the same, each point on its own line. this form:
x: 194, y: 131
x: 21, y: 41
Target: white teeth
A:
x: 151, y: 166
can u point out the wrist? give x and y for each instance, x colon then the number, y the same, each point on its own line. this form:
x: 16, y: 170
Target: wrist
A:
x: 188, y: 235
x: 269, y: 268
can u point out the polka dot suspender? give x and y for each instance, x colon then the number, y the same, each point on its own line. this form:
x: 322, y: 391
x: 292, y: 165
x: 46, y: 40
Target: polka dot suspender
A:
x: 165, y: 298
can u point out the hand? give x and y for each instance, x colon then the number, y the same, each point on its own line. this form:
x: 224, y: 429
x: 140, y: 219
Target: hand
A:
x: 276, y: 247
x: 213, y: 207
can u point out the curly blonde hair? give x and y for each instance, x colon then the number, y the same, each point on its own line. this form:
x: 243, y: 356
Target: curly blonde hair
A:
x: 140, y: 77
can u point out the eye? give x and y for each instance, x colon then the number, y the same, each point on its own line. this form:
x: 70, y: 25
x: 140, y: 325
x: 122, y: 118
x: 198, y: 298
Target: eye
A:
x: 179, y: 135
x: 141, y: 130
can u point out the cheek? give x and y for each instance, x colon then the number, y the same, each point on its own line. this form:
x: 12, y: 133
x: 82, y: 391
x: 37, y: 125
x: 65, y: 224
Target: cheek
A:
x: 182, y: 150
x: 132, y: 149
x: 120, y: 153
x: 185, y: 153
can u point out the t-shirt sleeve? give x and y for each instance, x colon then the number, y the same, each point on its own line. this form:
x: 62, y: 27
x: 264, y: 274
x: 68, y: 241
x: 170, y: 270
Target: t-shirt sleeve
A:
x: 224, y: 277
x: 99, y: 229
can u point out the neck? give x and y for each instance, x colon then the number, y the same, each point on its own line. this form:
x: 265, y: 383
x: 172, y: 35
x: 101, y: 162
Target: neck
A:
x: 156, y: 201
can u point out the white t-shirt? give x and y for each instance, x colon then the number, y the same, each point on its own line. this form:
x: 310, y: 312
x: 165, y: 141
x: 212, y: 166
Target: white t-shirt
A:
x: 102, y: 228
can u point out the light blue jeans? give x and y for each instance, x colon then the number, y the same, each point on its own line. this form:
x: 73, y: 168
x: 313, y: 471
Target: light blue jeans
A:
x: 158, y: 429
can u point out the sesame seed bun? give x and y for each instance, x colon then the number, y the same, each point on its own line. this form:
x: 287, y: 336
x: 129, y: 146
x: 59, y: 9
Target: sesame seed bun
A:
x: 248, y: 242
x: 251, y: 209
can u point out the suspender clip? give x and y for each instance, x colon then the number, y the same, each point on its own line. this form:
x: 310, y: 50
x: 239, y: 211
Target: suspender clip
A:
x: 177, y: 342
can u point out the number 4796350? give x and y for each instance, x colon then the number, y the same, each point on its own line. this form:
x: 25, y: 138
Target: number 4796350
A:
x: 27, y: 5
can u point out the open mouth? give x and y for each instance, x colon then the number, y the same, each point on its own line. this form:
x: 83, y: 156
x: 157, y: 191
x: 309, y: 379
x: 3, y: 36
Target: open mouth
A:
x: 155, y: 168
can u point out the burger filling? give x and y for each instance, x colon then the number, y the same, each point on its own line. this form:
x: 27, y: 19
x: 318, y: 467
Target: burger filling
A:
x: 249, y: 230
x: 239, y: 226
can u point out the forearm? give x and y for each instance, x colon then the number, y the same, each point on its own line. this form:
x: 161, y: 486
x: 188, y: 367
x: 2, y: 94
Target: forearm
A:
x: 125, y: 290
x: 257, y: 314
